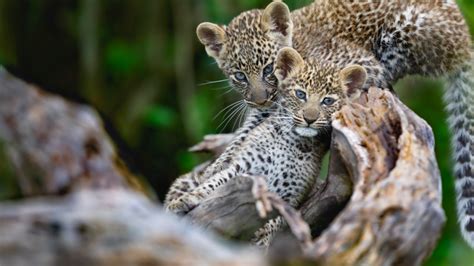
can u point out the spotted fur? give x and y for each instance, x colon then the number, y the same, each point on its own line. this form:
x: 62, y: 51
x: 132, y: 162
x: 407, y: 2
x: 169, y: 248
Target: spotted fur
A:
x: 400, y: 34
x: 306, y: 85
x: 459, y: 98
x: 271, y: 149
x: 249, y: 45
x: 320, y: 80
x: 406, y: 37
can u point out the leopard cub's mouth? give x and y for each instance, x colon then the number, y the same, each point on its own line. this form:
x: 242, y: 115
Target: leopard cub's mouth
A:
x: 306, y: 131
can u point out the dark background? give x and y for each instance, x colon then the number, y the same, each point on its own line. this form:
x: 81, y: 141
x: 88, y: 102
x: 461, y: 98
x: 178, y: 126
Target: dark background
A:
x: 140, y: 64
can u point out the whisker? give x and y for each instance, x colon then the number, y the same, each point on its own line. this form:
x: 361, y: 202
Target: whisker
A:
x: 220, y: 126
x: 229, y: 118
x: 212, y: 82
x: 298, y: 117
x: 237, y: 118
x: 222, y: 88
x: 278, y: 115
x: 232, y: 110
x: 226, y: 92
x: 226, y: 108
x: 282, y: 117
x: 320, y: 124
x: 244, y: 115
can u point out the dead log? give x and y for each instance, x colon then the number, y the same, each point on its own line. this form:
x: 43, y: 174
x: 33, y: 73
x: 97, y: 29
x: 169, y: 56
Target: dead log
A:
x: 394, y: 216
x: 242, y: 206
x: 214, y: 144
x: 380, y: 149
x: 230, y: 210
x: 328, y: 198
x: 56, y: 146
x: 108, y: 227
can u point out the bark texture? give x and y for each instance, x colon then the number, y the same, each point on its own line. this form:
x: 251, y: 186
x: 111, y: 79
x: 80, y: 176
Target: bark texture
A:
x: 394, y: 216
x: 57, y: 146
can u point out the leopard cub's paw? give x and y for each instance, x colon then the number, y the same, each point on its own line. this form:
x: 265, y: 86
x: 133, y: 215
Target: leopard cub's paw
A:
x: 184, y: 204
x: 262, y: 238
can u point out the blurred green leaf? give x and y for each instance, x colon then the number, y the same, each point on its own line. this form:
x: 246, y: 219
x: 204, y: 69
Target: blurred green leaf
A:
x: 122, y: 58
x: 161, y: 117
x: 187, y: 161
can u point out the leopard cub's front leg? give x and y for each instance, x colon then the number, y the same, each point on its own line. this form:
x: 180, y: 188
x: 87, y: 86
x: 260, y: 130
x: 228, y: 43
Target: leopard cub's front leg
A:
x: 188, y: 201
x: 185, y: 203
x: 265, y: 235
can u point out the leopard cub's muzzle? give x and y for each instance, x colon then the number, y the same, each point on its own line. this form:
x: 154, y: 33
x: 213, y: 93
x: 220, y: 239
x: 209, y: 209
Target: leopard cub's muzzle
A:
x: 261, y: 95
x: 307, y: 125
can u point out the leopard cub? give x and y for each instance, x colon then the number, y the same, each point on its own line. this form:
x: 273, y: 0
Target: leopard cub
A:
x: 314, y: 90
x: 270, y: 148
x: 273, y: 149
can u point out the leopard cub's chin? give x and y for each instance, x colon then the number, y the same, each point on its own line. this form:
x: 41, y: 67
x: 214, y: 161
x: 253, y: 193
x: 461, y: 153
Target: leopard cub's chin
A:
x: 306, y: 131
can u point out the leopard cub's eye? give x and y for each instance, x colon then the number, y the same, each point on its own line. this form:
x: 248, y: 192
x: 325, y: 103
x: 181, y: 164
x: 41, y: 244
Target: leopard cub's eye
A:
x: 268, y: 69
x: 240, y: 76
x: 300, y: 94
x: 328, y: 101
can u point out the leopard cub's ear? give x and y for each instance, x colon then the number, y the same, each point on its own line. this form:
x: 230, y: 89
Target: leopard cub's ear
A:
x: 276, y: 22
x: 288, y: 62
x: 213, y: 37
x: 353, y: 79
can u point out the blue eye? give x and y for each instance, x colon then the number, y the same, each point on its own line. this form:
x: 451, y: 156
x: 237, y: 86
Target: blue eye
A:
x: 268, y: 70
x: 240, y: 76
x: 328, y: 101
x: 300, y: 94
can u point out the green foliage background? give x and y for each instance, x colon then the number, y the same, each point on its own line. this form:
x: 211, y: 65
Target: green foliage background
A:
x: 140, y: 64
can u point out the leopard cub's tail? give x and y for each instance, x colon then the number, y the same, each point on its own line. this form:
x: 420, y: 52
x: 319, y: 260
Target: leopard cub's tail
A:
x: 459, y: 98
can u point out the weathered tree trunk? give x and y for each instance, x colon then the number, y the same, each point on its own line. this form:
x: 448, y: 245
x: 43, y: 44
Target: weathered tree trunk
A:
x: 107, y: 227
x: 56, y: 146
x: 395, y: 215
x: 382, y: 155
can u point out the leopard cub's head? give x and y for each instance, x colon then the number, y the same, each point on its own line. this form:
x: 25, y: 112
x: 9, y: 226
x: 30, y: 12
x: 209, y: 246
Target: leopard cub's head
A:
x: 313, y: 91
x: 246, y: 49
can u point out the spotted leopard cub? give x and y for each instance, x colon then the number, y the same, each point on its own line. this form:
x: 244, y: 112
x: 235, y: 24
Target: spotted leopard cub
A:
x: 245, y: 50
x: 290, y: 162
x: 314, y: 90
x: 312, y: 93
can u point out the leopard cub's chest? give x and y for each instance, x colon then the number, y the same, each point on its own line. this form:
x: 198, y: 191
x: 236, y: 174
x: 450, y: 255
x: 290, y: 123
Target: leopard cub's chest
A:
x: 289, y: 162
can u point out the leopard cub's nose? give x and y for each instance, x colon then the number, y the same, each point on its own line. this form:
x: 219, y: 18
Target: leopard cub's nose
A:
x: 258, y: 96
x: 309, y: 120
x: 310, y: 115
